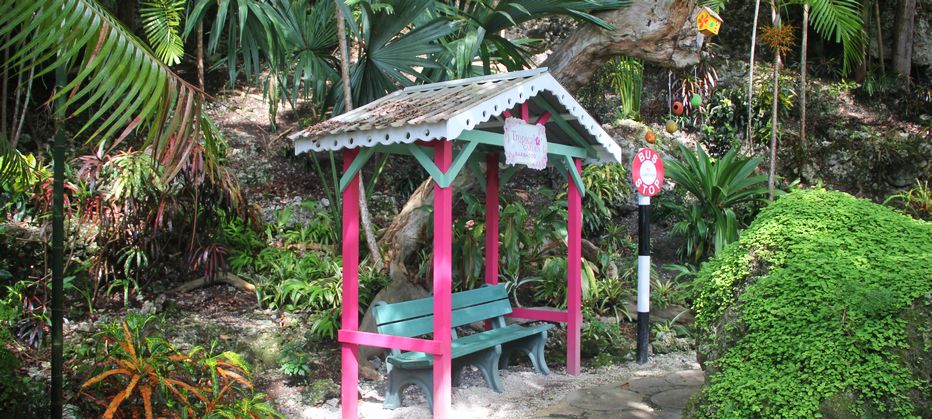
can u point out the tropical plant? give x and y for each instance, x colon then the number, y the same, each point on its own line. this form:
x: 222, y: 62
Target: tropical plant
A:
x: 145, y: 374
x: 718, y: 187
x: 112, y: 71
x: 627, y: 79
x: 607, y: 190
x: 915, y: 202
x: 294, y: 361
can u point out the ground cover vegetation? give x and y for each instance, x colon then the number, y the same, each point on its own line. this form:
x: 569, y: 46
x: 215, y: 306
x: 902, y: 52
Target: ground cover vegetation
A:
x: 153, y: 206
x: 820, y: 308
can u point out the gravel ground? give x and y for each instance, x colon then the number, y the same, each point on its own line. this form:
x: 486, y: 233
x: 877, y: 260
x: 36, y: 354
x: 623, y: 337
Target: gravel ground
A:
x: 525, y: 392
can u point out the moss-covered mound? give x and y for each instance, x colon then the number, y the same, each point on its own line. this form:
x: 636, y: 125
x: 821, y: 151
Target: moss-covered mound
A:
x: 821, y: 308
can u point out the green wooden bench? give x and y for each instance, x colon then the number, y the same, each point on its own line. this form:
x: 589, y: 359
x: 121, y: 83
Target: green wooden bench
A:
x: 488, y: 350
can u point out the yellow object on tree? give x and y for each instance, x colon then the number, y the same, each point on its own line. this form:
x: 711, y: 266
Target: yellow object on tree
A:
x: 708, y: 22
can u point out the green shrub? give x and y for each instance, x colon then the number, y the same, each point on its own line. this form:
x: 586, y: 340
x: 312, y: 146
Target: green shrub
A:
x: 725, y: 117
x: 825, y: 298
x: 20, y: 396
x: 607, y: 190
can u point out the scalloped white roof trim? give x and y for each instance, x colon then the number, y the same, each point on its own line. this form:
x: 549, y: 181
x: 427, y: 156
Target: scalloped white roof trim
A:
x: 468, y: 118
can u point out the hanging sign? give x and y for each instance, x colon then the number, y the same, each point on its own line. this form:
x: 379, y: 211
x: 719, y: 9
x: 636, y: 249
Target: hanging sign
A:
x: 525, y: 144
x: 647, y: 172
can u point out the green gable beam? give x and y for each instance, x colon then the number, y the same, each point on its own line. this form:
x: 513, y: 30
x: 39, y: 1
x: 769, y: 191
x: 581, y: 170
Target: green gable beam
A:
x: 427, y: 163
x: 355, y: 167
x: 458, y: 162
x: 498, y: 140
x: 443, y: 179
x: 577, y: 178
x: 564, y: 126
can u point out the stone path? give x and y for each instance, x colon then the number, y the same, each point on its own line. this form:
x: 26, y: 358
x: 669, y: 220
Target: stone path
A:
x: 658, y: 389
x: 642, y: 396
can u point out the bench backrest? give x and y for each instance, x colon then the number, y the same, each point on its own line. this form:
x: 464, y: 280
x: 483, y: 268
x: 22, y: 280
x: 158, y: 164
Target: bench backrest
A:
x: 416, y: 317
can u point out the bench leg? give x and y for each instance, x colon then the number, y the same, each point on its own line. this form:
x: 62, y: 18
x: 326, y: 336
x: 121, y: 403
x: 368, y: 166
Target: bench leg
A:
x: 531, y: 345
x: 399, y: 378
x: 486, y: 361
x: 488, y: 365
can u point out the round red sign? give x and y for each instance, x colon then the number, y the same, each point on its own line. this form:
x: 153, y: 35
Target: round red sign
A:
x: 647, y: 172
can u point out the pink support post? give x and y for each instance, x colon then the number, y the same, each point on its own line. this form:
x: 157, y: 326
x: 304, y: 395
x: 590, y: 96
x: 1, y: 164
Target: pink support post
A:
x: 443, y: 278
x: 574, y: 273
x: 491, y: 218
x: 524, y: 112
x: 349, y: 352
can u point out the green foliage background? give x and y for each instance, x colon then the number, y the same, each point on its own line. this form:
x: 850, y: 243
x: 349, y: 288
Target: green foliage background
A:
x: 811, y: 304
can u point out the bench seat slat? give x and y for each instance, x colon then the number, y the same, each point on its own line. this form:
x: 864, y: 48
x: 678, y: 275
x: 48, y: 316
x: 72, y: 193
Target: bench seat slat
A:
x: 470, y: 344
x: 424, y: 325
x: 425, y: 306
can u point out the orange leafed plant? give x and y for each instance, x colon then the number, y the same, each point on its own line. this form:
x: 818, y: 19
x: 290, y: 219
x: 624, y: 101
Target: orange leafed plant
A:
x: 780, y: 38
x: 191, y: 385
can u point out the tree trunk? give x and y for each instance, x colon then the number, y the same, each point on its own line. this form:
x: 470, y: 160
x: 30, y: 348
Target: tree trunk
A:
x: 3, y: 93
x: 659, y: 31
x: 903, y: 27
x: 803, y: 86
x: 860, y: 72
x: 750, y: 137
x: 365, y: 219
x: 880, y: 46
x: 405, y: 235
x: 200, y: 55
x: 774, y: 123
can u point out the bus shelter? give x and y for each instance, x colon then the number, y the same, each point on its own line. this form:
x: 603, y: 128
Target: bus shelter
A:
x: 523, y: 118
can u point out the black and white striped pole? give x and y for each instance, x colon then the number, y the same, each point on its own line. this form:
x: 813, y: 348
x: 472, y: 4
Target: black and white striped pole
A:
x: 647, y: 173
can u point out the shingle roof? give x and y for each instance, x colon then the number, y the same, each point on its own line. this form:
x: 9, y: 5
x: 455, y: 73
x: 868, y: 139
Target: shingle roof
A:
x: 446, y: 109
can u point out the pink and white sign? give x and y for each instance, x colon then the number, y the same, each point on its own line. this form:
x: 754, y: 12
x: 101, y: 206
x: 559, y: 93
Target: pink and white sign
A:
x: 647, y: 172
x: 525, y: 144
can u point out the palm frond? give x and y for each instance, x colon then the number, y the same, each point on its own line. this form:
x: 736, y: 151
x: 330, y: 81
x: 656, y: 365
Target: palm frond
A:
x: 310, y: 36
x: 248, y: 26
x: 842, y: 21
x: 162, y: 22
x: 715, y: 5
x: 12, y: 164
x: 394, y: 52
x: 109, y: 69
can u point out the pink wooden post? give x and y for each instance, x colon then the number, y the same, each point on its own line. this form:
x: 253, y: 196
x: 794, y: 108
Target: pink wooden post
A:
x: 574, y: 272
x: 349, y: 352
x: 443, y: 276
x: 491, y: 218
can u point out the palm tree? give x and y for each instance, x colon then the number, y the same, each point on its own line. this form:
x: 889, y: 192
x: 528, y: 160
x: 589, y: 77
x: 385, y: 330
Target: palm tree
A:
x: 105, y: 73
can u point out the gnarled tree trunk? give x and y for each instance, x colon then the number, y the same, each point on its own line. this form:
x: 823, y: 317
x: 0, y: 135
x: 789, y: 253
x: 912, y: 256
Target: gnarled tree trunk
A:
x: 662, y: 32
x: 658, y: 31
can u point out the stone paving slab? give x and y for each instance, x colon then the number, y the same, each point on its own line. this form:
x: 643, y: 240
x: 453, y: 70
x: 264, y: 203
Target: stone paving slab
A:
x: 643, y: 396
